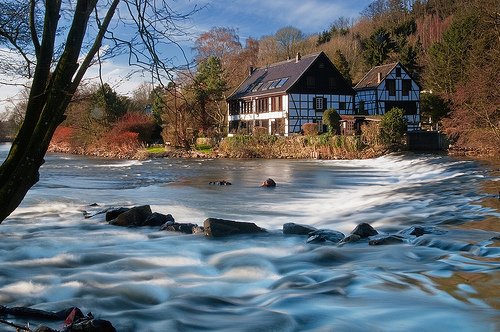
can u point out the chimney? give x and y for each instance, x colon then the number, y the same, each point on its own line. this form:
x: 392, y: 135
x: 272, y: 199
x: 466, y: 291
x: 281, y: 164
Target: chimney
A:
x: 251, y: 70
x: 379, y: 77
x: 297, y: 57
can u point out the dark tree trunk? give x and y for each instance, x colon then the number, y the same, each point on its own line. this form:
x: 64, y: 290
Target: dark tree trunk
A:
x: 50, y: 95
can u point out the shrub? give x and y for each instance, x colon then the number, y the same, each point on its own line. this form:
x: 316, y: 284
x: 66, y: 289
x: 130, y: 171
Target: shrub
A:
x: 393, y: 125
x: 310, y: 128
x: 141, y: 124
x: 260, y: 131
x: 332, y: 119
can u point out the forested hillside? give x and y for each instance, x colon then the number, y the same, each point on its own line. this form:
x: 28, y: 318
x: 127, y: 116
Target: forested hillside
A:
x: 451, y: 47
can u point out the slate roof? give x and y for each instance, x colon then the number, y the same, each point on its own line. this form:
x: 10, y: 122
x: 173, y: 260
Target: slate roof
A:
x: 371, y: 78
x: 291, y: 70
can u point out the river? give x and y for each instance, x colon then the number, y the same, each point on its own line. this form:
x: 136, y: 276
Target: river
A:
x: 143, y: 279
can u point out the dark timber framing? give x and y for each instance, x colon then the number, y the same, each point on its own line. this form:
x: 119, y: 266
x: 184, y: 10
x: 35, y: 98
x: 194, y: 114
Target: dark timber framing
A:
x: 283, y: 96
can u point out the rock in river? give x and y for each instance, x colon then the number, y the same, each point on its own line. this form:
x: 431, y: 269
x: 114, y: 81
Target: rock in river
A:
x: 325, y: 235
x: 364, y: 230
x: 215, y: 227
x: 298, y: 229
x: 136, y: 216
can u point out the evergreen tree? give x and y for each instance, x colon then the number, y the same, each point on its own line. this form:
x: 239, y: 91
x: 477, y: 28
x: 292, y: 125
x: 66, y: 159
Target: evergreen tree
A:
x: 342, y: 66
x: 209, y: 86
x: 378, y: 47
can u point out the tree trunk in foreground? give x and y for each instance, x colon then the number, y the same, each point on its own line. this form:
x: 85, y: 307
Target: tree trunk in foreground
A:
x: 51, y: 92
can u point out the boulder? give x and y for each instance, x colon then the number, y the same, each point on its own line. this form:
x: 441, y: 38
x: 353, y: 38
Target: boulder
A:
x: 293, y: 228
x: 351, y: 238
x: 136, y: 216
x: 158, y: 219
x: 325, y: 235
x: 113, y: 213
x: 364, y: 230
x: 215, y: 227
x: 269, y: 183
x: 90, y: 325
x: 386, y: 240
x: 186, y: 228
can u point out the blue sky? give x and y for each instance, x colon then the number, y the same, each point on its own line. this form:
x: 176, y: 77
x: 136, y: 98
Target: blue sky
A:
x: 256, y: 18
x: 250, y: 18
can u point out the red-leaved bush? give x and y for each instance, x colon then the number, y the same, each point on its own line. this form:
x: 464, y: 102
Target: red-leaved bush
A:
x: 141, y: 124
x: 310, y: 128
x: 61, y: 140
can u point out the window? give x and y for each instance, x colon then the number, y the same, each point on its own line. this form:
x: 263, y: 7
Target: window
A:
x: 257, y: 87
x: 266, y: 86
x: 390, y: 86
x: 342, y: 105
x: 311, y: 81
x: 321, y: 65
x: 262, y: 105
x: 281, y: 82
x: 406, y: 87
x: 276, y: 104
x: 398, y: 72
x: 319, y: 103
x: 274, y: 84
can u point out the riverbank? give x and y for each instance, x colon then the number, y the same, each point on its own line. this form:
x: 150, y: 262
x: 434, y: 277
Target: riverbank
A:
x: 249, y: 147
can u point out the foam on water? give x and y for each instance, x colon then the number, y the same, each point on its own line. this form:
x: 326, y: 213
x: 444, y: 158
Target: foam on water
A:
x: 142, y: 279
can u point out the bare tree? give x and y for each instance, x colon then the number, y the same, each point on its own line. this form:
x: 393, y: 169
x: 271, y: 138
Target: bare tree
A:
x: 57, y: 54
x: 289, y: 39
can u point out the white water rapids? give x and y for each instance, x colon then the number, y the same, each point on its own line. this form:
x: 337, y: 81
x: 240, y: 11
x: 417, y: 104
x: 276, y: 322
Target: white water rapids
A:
x: 143, y: 279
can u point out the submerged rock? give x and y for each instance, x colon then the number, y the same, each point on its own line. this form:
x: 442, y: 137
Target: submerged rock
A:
x: 269, y: 183
x: 186, y: 228
x: 221, y: 183
x: 419, y: 231
x: 364, y: 230
x: 351, y: 238
x: 390, y: 239
x: 136, y: 216
x: 215, y: 227
x: 325, y: 235
x: 293, y: 228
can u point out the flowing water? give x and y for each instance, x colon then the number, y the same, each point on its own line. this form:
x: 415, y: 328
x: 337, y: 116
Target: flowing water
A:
x: 143, y: 279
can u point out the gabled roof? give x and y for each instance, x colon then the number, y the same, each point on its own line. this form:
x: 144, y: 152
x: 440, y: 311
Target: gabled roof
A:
x: 371, y: 79
x: 274, y: 78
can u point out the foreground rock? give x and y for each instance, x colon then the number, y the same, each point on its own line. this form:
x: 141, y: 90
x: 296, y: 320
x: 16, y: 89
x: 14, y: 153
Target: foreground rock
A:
x: 297, y: 229
x: 215, y: 227
x: 72, y: 319
x: 325, y: 235
x: 158, y: 219
x: 386, y: 240
x: 186, y: 228
x: 364, y: 230
x: 113, y: 213
x: 135, y: 216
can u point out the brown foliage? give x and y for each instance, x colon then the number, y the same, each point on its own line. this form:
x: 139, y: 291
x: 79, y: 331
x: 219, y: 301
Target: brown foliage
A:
x: 310, y: 128
x: 474, y: 121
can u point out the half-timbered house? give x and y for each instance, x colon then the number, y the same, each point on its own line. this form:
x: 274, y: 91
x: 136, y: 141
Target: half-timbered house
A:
x: 283, y: 96
x: 388, y: 86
